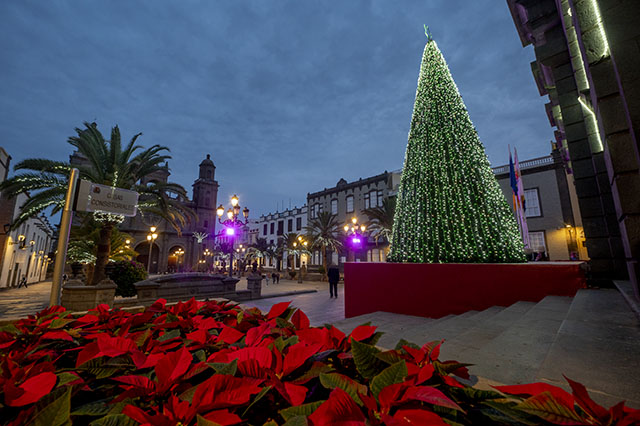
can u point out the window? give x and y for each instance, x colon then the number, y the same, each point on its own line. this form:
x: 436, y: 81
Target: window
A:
x: 532, y: 203
x: 536, y: 241
x: 298, y: 223
x: 206, y: 223
x: 367, y: 201
x: 280, y: 227
x: 334, y: 206
x: 289, y: 225
x: 264, y: 229
x: 313, y: 211
x: 380, y: 199
x: 373, y: 195
x: 319, y: 208
x: 350, y: 204
x: 272, y: 227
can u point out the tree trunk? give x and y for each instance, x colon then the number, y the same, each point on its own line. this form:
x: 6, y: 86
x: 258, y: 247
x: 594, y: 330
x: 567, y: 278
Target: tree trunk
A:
x: 102, y: 257
x: 325, y: 276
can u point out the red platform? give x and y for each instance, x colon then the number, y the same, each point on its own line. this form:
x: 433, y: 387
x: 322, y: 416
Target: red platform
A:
x: 435, y: 290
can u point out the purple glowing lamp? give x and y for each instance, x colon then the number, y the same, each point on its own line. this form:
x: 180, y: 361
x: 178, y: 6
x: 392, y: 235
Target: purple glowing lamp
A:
x: 231, y: 231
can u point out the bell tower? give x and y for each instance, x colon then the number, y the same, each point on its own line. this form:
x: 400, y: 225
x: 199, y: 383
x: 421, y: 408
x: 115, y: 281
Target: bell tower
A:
x: 205, y: 196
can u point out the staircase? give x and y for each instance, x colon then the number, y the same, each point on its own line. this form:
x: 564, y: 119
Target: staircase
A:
x: 593, y: 338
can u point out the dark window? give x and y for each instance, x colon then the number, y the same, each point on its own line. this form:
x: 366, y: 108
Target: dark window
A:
x: 280, y: 227
x: 265, y: 229
x: 290, y: 225
x: 272, y: 227
x: 350, y: 204
x: 298, y: 223
x: 206, y: 223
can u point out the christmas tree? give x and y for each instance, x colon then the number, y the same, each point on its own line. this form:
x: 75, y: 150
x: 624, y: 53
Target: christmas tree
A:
x: 450, y: 208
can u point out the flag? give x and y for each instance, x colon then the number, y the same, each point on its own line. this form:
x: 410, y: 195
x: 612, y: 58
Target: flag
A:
x: 521, y: 201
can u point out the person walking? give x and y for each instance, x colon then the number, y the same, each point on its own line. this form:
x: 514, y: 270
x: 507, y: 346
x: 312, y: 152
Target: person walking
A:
x: 23, y: 282
x: 333, y: 273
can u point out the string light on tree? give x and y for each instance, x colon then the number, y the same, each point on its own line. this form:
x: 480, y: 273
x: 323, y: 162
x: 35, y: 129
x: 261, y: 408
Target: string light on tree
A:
x: 450, y: 208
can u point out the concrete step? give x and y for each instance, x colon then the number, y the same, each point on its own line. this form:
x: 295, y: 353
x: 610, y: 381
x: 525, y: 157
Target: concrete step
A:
x: 598, y: 344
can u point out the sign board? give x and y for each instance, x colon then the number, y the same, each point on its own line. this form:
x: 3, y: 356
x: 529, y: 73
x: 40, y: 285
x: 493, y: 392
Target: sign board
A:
x: 93, y: 197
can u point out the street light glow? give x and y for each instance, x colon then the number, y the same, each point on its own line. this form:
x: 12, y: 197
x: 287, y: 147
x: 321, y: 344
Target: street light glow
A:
x: 234, y: 200
x: 153, y: 229
x: 230, y: 231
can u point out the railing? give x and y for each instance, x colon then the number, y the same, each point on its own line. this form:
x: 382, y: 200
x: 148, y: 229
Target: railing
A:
x: 528, y: 164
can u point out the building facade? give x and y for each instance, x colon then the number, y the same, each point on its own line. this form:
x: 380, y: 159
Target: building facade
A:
x: 24, y: 251
x: 588, y: 64
x: 348, y: 200
x: 552, y: 212
x: 274, y: 226
x: 173, y: 251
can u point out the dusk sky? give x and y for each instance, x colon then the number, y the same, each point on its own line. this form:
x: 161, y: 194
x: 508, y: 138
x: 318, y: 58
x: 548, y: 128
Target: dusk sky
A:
x: 287, y: 96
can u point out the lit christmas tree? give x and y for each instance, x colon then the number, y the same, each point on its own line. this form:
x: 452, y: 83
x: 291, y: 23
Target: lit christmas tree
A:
x: 450, y: 208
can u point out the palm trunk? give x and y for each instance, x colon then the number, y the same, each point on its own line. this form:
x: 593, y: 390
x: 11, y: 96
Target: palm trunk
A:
x: 102, y: 257
x: 325, y: 264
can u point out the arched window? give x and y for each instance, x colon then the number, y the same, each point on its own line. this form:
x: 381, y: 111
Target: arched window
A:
x: 208, y: 174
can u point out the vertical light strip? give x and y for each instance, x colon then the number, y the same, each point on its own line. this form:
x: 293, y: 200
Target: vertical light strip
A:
x: 594, y: 123
x: 594, y: 3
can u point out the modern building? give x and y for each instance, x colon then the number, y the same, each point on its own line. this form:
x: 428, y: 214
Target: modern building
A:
x: 173, y: 251
x: 552, y: 212
x: 347, y: 200
x: 588, y: 64
x: 24, y: 251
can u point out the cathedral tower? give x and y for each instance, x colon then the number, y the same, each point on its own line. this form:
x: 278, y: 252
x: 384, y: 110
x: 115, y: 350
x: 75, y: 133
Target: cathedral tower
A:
x: 205, y: 196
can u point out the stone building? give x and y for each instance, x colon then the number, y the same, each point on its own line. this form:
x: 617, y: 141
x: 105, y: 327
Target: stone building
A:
x: 588, y: 64
x: 25, y: 250
x: 274, y: 226
x: 347, y: 200
x: 552, y: 212
x: 172, y: 252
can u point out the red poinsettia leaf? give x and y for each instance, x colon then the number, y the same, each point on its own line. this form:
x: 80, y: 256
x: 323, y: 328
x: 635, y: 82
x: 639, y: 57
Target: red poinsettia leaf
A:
x: 223, y: 417
x: 433, y: 350
x: 33, y: 389
x: 300, y: 320
x: 391, y: 394
x: 198, y: 336
x: 419, y: 417
x: 89, y: 352
x: 336, y: 336
x: 297, y: 355
x: 530, y: 389
x: 452, y: 382
x: 462, y: 372
x: 296, y: 393
x: 631, y: 417
x: 340, y: 408
x: 425, y: 373
x: 172, y: 366
x: 255, y: 334
x: 262, y: 355
x: 315, y: 335
x: 362, y: 332
x: 223, y: 391
x: 115, y: 346
x: 230, y: 335
x: 547, y: 407
x: 616, y: 413
x: 57, y: 335
x: 369, y: 401
x: 152, y: 360
x: 137, y: 381
x: 430, y: 395
x: 581, y: 397
x: 278, y: 309
x: 251, y: 368
x: 138, y: 415
x: 417, y: 355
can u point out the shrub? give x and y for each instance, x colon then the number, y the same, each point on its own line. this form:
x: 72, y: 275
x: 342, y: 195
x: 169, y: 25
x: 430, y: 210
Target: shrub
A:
x: 125, y: 273
x: 214, y: 363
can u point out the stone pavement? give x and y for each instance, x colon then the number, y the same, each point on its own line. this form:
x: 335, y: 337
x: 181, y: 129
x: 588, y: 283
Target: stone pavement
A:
x: 16, y: 303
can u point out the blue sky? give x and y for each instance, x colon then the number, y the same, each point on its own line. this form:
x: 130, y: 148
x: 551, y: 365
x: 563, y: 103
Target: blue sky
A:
x: 287, y: 96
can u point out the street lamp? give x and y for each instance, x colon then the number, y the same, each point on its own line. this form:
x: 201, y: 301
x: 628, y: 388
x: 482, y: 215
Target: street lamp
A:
x: 232, y: 223
x: 177, y: 254
x: 304, y: 244
x: 151, y: 238
x: 355, y: 236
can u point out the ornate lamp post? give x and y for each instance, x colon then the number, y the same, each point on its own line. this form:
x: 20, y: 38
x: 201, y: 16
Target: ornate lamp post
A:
x: 151, y: 237
x: 355, y: 236
x: 304, y: 243
x: 232, y: 224
x: 200, y: 237
x: 178, y: 253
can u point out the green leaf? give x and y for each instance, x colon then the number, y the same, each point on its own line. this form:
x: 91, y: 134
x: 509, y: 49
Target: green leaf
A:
x: 56, y: 413
x: 296, y: 421
x: 229, y: 368
x: 200, y: 355
x: 64, y: 378
x: 169, y: 335
x: 350, y: 386
x: 545, y: 406
x: 140, y: 339
x: 403, y: 342
x: 10, y: 328
x: 316, y: 369
x: 204, y: 422
x: 505, y: 412
x: 300, y: 410
x: 390, y: 357
x: 94, y: 408
x: 59, y: 323
x: 367, y: 364
x: 114, y: 420
x: 389, y: 376
x: 374, y: 339
x: 270, y: 423
x: 188, y: 394
x: 257, y: 398
x: 473, y: 394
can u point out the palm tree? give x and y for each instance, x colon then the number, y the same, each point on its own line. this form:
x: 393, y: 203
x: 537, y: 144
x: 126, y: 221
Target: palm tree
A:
x: 324, y: 233
x: 109, y: 163
x: 293, y: 246
x: 381, y: 219
x: 259, y: 249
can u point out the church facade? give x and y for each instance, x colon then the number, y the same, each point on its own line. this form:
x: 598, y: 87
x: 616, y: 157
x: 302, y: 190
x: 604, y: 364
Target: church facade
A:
x: 170, y: 251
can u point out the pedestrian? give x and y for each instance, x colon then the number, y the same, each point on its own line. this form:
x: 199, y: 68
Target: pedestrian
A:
x: 23, y: 282
x: 64, y: 278
x: 278, y: 277
x: 333, y: 273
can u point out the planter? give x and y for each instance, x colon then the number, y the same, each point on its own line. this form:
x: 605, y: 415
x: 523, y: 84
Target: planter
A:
x: 79, y: 297
x: 437, y: 289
